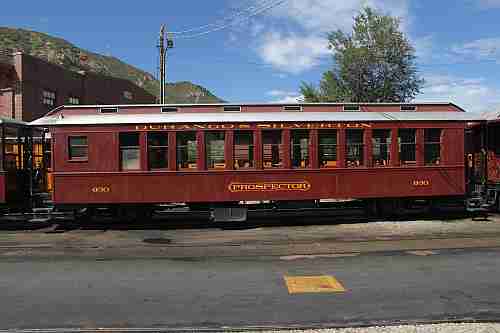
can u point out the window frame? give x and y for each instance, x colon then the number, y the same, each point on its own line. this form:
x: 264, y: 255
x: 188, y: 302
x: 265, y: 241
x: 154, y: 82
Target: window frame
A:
x: 121, y: 148
x: 400, y: 148
x: 281, y: 150
x: 360, y: 163
x: 388, y: 145
x: 307, y: 164
x: 70, y: 146
x: 163, y: 148
x: 179, y: 147
x: 323, y: 133
x: 251, y: 150
x: 217, y: 166
x: 433, y: 143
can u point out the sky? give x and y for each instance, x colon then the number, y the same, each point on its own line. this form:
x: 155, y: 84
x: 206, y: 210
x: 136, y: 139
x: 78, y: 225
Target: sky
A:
x: 267, y: 48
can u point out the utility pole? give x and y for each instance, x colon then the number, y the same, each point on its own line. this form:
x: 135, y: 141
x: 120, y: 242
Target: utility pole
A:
x: 163, y: 60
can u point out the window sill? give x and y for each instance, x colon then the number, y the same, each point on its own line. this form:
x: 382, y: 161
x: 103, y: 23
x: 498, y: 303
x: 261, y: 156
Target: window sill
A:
x: 76, y: 160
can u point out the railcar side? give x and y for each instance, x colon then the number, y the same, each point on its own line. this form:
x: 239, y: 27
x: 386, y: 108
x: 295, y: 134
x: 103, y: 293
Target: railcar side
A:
x: 115, y: 160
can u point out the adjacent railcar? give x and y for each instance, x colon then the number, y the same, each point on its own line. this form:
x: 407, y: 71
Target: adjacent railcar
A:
x: 226, y: 155
x: 21, y: 149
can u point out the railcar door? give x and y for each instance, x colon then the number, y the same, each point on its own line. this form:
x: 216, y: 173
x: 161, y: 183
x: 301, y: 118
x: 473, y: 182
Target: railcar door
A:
x: 475, y: 159
x: 16, y: 163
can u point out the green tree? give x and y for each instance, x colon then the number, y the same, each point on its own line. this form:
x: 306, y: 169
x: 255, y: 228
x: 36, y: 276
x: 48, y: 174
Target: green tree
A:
x: 375, y: 63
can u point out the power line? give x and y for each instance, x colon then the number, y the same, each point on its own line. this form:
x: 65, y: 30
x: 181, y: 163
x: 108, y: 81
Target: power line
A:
x: 232, y: 23
x: 224, y: 19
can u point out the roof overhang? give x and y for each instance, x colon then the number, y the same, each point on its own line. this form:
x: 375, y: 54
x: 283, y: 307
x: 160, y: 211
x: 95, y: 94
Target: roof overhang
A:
x: 60, y: 119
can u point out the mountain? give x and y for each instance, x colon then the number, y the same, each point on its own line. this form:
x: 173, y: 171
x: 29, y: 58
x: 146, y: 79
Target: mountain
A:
x: 63, y: 53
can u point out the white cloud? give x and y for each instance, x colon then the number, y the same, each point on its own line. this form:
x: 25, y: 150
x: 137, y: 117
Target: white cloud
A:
x: 473, y: 94
x: 290, y: 99
x: 292, y: 54
x: 297, y: 41
x: 424, y: 47
x: 489, y: 3
x: 328, y: 15
x: 280, y: 93
x: 480, y: 49
x: 285, y: 97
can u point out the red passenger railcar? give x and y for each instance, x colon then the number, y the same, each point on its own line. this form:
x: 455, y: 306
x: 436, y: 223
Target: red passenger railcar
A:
x: 225, y: 155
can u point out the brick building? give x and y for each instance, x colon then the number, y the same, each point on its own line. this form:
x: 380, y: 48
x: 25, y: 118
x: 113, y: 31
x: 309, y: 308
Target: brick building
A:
x: 30, y: 87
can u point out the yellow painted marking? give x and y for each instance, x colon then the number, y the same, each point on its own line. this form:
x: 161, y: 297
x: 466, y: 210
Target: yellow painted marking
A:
x: 313, y: 284
x: 423, y: 253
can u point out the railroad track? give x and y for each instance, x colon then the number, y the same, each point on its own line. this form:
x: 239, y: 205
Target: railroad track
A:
x: 183, y: 219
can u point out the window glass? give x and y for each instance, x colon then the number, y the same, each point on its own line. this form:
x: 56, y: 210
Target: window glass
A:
x: 130, y: 151
x: 381, y: 141
x: 493, y: 139
x: 214, y: 142
x: 48, y: 98
x: 327, y: 140
x: 272, y: 149
x: 158, y: 150
x: 78, y: 148
x: 432, y: 146
x: 243, y: 150
x: 407, y: 146
x: 13, y: 149
x: 187, y: 150
x: 354, y: 148
x: 74, y: 100
x: 300, y: 148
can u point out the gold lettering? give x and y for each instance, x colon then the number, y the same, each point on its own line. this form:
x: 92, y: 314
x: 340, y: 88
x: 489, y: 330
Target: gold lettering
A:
x: 270, y: 187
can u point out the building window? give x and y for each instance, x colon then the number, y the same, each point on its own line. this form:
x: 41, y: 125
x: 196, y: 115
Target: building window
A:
x: 215, y: 150
x: 327, y: 140
x: 49, y: 98
x: 407, y: 146
x: 74, y: 100
x: 187, y: 150
x: 243, y: 150
x: 272, y: 149
x: 78, y: 148
x: 158, y: 150
x: 300, y: 148
x: 128, y: 95
x: 130, y: 151
x: 354, y: 148
x: 381, y: 141
x: 432, y: 146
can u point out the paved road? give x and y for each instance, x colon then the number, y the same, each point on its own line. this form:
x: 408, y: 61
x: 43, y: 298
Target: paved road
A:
x: 197, y: 292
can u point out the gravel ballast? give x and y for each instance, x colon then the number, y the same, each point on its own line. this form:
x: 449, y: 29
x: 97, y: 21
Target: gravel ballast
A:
x: 439, y: 328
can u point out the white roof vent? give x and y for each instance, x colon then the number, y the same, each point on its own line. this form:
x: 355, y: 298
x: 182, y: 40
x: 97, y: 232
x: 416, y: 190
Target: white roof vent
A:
x: 351, y: 107
x: 292, y: 108
x: 232, y: 108
x: 168, y: 109
x: 406, y: 108
x: 108, y: 110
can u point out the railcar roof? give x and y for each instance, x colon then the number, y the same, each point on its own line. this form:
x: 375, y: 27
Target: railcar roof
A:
x: 10, y: 121
x: 62, y: 119
x: 254, y: 104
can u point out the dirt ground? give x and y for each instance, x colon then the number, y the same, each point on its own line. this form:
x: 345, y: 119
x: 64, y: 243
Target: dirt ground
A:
x: 286, y: 241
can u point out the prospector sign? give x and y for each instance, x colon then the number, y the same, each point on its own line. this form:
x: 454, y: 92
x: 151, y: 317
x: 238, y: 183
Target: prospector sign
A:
x: 302, y: 186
